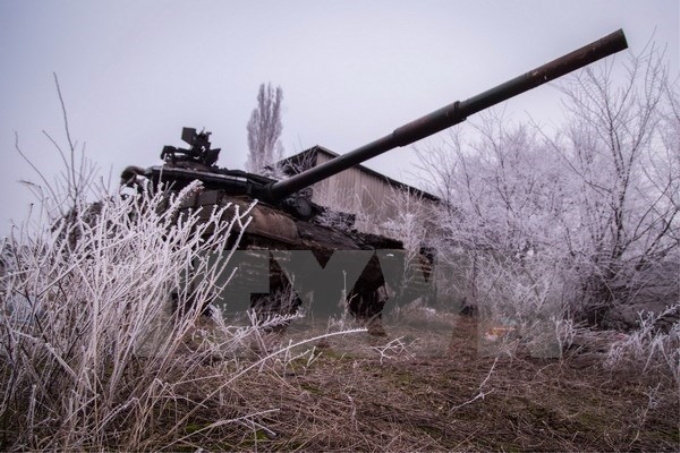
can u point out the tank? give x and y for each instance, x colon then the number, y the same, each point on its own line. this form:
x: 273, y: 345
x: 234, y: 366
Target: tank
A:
x: 285, y: 218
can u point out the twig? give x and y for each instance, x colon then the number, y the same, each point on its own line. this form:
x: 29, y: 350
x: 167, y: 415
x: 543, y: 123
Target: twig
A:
x: 480, y: 394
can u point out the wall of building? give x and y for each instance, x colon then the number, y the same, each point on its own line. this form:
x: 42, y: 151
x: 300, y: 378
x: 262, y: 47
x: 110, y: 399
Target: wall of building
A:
x: 372, y: 198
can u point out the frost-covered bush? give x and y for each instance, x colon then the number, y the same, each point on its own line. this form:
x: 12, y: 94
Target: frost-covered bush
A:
x: 88, y: 344
x: 580, y: 223
x: 655, y: 344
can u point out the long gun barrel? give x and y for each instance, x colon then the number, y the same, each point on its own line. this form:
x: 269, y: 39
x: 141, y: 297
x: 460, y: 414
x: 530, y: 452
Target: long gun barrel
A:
x: 452, y: 114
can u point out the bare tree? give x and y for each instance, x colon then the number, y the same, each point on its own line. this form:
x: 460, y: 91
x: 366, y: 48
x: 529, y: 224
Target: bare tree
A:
x: 501, y: 226
x: 587, y: 220
x: 621, y: 151
x: 264, y: 130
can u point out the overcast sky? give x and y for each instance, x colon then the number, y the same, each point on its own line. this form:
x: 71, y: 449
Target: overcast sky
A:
x: 133, y: 73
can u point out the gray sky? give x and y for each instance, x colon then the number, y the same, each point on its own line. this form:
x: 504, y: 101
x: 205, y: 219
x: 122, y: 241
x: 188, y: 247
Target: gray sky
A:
x: 133, y: 73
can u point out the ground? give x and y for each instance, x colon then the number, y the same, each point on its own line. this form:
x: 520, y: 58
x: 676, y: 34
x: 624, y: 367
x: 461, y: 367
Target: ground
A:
x: 349, y: 397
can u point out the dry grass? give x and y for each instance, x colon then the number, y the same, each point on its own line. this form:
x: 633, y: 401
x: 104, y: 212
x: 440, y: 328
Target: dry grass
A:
x: 338, y: 397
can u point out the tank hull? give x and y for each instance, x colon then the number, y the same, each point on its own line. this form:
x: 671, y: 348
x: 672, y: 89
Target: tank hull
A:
x: 271, y: 233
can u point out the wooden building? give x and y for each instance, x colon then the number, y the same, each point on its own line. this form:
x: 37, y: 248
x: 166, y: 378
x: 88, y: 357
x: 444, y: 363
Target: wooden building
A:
x: 380, y: 203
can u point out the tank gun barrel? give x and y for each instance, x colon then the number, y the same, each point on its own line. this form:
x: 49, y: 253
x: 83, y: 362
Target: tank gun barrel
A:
x: 452, y: 114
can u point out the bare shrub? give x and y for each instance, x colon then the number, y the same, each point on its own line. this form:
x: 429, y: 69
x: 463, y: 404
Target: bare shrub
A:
x: 655, y: 345
x: 499, y: 232
x: 86, y: 339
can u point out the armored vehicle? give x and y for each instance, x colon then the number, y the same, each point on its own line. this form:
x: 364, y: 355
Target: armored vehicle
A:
x: 286, y: 219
